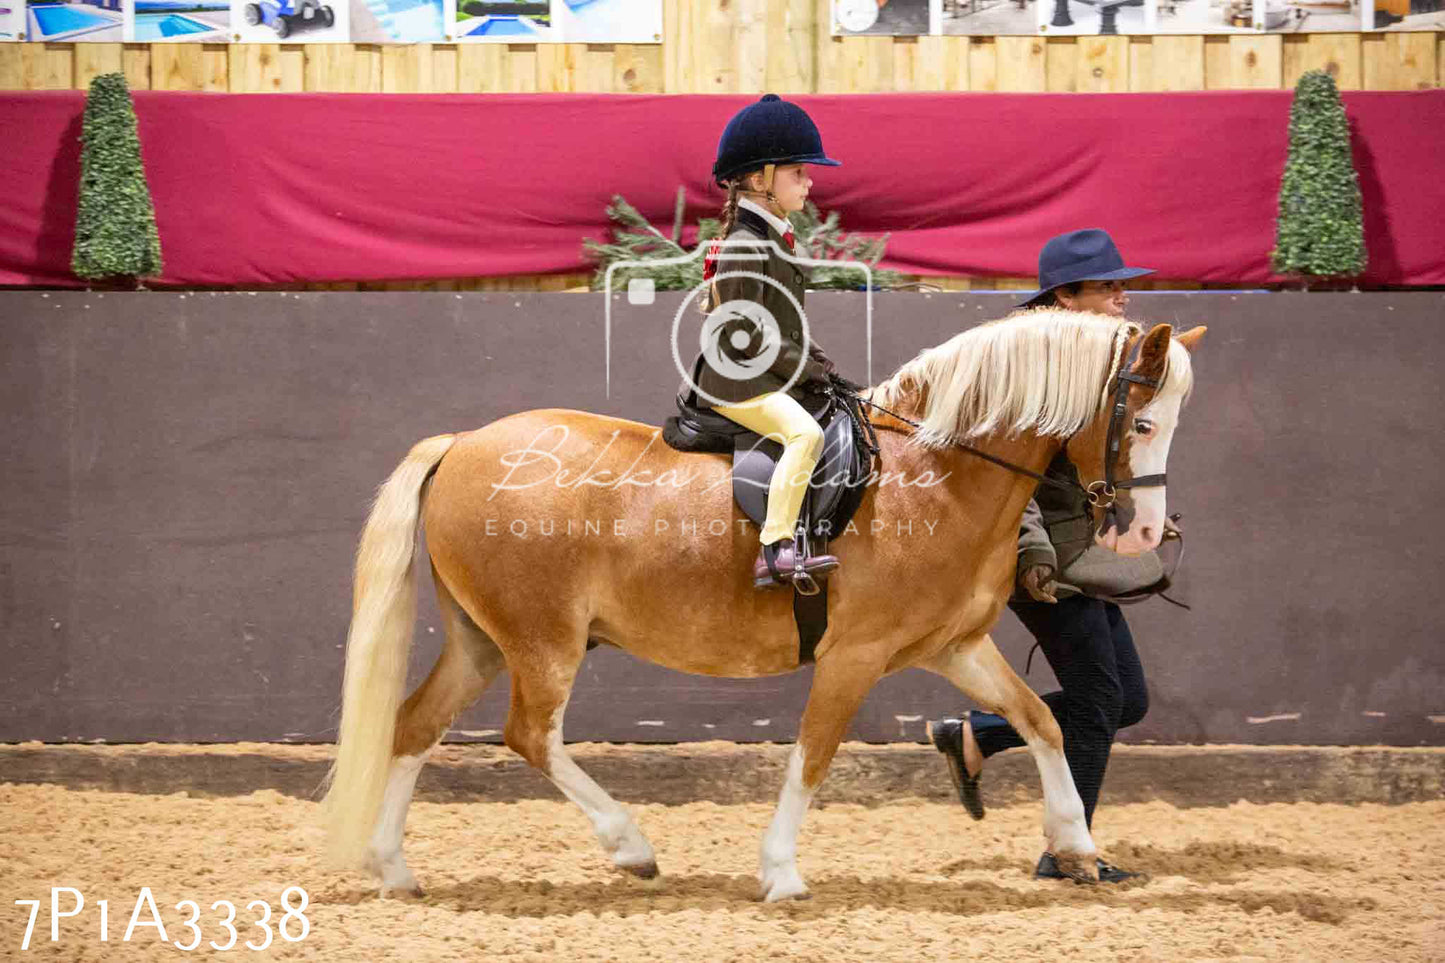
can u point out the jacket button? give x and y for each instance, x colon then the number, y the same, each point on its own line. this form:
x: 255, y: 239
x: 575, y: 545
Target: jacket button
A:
x: 794, y: 336
x: 797, y: 278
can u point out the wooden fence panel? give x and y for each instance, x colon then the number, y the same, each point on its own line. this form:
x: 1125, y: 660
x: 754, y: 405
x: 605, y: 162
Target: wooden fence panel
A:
x: 1338, y: 53
x: 1400, y: 61
x: 1256, y: 60
x: 1175, y: 63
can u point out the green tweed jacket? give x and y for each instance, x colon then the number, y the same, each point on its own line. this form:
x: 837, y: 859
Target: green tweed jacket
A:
x: 796, y: 349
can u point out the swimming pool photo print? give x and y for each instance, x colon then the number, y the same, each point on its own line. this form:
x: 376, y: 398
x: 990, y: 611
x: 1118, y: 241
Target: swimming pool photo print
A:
x: 177, y: 21
x: 502, y: 21
x: 608, y: 21
x: 92, y: 20
x: 291, y: 21
x: 397, y: 21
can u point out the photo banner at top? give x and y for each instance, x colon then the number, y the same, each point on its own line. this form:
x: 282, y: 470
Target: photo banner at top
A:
x: 902, y: 18
x: 332, y: 21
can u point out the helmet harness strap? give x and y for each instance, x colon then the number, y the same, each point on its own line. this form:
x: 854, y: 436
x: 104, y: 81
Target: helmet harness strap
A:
x: 768, y: 171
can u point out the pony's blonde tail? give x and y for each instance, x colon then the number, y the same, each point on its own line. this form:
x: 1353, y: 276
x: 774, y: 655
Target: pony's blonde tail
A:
x: 383, y: 612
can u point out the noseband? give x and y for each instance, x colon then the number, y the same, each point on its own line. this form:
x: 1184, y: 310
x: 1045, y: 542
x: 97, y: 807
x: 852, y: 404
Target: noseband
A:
x: 1102, y: 493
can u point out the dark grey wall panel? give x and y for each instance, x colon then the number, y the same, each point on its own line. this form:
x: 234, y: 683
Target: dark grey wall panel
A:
x: 186, y: 475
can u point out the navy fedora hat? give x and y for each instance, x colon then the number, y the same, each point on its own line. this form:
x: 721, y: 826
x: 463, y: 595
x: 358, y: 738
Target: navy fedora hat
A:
x: 1087, y: 255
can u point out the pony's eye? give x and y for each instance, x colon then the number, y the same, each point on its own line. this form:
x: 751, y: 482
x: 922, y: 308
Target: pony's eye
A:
x: 1143, y: 427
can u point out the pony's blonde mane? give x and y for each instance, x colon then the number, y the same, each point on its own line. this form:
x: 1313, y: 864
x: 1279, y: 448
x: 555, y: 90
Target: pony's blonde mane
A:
x: 1046, y: 370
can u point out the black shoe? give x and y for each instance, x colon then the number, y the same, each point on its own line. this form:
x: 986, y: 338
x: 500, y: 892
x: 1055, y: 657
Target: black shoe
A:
x: 948, y: 739
x: 1109, y: 873
x: 1048, y: 868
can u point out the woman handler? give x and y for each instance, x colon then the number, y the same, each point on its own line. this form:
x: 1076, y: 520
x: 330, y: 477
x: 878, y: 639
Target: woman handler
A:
x: 1086, y: 640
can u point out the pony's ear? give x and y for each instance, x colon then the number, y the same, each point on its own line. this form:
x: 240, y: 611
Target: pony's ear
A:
x: 1154, y: 352
x: 1191, y: 338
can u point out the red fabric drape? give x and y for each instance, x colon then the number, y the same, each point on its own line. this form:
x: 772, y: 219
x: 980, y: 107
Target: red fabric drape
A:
x: 265, y: 188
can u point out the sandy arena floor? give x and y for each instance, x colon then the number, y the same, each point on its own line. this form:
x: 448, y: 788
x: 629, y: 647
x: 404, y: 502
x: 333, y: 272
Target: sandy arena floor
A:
x: 909, y: 881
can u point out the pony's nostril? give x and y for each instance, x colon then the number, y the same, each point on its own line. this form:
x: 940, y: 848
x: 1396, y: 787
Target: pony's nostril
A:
x: 1147, y: 533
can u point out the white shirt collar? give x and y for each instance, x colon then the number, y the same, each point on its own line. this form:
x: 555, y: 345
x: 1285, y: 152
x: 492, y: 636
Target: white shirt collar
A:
x: 779, y: 225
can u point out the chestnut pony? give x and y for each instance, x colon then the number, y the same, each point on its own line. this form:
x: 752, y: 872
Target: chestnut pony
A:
x: 532, y: 559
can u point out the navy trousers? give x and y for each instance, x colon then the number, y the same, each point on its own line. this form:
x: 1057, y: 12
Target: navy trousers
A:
x: 1091, y: 651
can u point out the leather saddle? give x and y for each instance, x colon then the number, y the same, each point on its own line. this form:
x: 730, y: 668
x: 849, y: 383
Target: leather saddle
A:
x: 835, y: 491
x: 837, y: 484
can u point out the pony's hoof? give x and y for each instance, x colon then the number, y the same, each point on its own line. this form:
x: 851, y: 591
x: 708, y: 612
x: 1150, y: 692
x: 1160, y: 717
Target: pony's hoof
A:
x: 784, y: 884
x: 779, y: 893
x: 647, y: 870
x: 414, y: 891
x: 1079, y: 868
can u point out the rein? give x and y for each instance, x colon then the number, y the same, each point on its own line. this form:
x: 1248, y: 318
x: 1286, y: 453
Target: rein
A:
x: 1017, y: 469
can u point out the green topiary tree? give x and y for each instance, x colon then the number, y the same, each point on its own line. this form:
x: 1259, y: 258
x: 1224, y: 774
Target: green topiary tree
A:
x: 1321, y: 227
x: 115, y: 225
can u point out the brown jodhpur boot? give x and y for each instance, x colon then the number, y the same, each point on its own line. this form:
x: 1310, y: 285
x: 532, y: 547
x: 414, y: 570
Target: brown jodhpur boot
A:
x: 784, y: 564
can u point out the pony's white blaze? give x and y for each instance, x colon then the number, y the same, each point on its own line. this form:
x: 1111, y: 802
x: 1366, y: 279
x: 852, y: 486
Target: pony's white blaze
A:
x: 779, y: 870
x: 1149, y: 455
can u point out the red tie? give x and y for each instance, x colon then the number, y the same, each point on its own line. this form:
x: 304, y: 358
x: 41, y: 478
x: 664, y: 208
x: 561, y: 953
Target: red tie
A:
x: 709, y: 264
x: 788, y: 240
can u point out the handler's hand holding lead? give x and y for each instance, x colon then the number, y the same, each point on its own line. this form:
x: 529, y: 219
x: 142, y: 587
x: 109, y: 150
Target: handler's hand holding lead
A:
x: 1038, y: 581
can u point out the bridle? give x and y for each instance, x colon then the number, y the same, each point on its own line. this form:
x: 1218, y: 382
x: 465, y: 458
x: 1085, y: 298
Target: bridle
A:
x: 1101, y: 494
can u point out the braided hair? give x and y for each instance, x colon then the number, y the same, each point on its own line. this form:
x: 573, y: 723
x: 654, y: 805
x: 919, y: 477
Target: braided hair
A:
x: 728, y: 218
x: 730, y: 209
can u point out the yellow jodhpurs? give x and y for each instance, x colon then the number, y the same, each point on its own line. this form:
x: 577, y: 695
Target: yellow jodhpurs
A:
x: 777, y: 416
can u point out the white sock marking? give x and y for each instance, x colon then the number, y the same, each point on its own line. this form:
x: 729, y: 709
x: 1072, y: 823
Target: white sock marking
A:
x: 779, y: 869
x: 386, y: 840
x: 615, y: 829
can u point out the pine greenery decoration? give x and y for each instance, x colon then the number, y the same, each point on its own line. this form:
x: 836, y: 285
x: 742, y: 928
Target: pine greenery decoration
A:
x: 635, y: 239
x: 1321, y: 227
x: 115, y: 226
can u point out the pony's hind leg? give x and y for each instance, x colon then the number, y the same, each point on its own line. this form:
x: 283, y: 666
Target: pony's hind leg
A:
x: 976, y: 667
x: 469, y: 662
x: 540, y: 690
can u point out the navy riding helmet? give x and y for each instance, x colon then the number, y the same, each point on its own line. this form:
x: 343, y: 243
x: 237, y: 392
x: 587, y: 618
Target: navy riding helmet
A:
x: 1087, y: 255
x: 771, y: 131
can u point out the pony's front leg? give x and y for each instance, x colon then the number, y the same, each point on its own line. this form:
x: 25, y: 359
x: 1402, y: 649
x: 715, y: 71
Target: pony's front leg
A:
x: 976, y: 667
x: 839, y: 686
